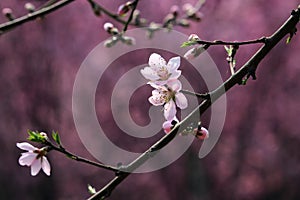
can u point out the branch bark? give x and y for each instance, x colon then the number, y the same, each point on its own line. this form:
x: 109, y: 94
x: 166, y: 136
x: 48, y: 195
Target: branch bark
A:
x: 247, y: 69
x: 32, y: 16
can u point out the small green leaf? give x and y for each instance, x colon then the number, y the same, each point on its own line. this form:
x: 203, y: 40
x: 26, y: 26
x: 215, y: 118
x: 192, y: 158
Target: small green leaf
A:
x: 288, y: 40
x: 244, y: 81
x: 35, y: 136
x: 56, y: 137
x: 228, y: 50
x: 234, y: 62
x: 91, y: 189
x: 189, y: 43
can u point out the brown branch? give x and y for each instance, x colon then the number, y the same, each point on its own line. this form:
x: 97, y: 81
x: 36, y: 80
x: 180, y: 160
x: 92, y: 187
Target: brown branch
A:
x: 32, y: 16
x: 202, y: 96
x: 245, y: 70
x: 72, y: 156
x: 219, y: 42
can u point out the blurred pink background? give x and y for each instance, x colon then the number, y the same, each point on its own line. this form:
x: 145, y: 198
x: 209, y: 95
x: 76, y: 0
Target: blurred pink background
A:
x: 256, y: 157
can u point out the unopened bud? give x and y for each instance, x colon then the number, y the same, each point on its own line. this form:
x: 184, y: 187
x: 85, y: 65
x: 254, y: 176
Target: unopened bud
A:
x: 44, y: 135
x: 169, y: 125
x: 201, y: 133
x: 109, y: 27
x: 174, y: 10
x: 7, y: 12
x: 193, y: 37
x: 30, y: 7
x: 124, y: 8
x: 187, y: 7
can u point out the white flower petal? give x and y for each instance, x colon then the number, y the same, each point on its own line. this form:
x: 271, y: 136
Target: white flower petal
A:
x: 190, y: 54
x: 156, y: 100
x: 158, y: 86
x: 173, y: 64
x: 181, y: 100
x: 27, y: 158
x: 160, y: 83
x: 170, y: 110
x: 46, y: 166
x: 155, y: 92
x: 36, y: 167
x: 26, y: 146
x: 156, y: 61
x: 149, y: 74
x: 175, y: 85
x: 175, y: 74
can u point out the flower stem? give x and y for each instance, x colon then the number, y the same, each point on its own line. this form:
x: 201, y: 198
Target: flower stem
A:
x: 73, y: 156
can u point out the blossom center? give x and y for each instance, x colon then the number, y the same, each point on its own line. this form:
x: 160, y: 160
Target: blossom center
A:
x: 40, y: 153
x: 163, y: 73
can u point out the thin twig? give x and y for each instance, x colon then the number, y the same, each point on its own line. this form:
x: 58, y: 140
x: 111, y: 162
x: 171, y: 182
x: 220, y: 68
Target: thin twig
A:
x: 61, y: 149
x: 32, y: 16
x: 203, y: 96
x: 219, y: 42
x: 108, y: 13
x: 134, y: 5
x: 247, y: 68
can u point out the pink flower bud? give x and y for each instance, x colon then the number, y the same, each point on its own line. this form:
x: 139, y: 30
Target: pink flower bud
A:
x: 168, y: 125
x: 6, y: 11
x: 108, y: 26
x: 193, y: 37
x: 174, y: 10
x: 202, y: 133
x: 30, y: 7
x: 186, y: 7
x: 124, y: 8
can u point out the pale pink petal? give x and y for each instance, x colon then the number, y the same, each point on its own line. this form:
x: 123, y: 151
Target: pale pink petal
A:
x: 190, y: 54
x: 181, y: 100
x: 160, y: 82
x: 175, y: 85
x: 173, y: 64
x: 26, y: 146
x: 157, y: 86
x: 175, y: 74
x: 149, y: 74
x: 170, y: 110
x: 155, y: 92
x: 46, y: 166
x: 27, y: 158
x: 156, y: 100
x: 36, y: 167
x: 156, y: 61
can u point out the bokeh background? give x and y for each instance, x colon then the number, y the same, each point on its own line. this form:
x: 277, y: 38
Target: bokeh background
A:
x: 256, y: 157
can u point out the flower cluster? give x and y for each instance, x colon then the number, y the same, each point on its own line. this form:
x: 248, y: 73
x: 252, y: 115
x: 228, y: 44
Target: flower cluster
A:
x: 163, y: 77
